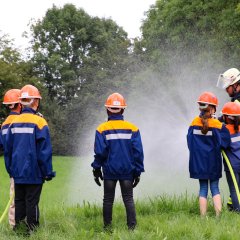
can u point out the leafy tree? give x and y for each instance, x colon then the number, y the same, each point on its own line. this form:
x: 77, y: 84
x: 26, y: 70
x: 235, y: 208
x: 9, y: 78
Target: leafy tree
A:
x: 81, y: 59
x: 183, y: 28
x: 14, y: 72
x: 71, y: 48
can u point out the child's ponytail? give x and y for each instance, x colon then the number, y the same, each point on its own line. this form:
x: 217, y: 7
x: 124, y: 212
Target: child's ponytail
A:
x: 207, y: 105
x: 236, y: 124
x: 204, y: 119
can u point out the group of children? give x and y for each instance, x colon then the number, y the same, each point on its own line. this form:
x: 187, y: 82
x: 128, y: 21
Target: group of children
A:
x: 209, y: 137
x: 25, y: 140
x: 118, y: 151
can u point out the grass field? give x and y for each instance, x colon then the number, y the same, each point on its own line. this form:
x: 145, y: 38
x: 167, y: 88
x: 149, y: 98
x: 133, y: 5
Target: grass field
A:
x: 162, y: 217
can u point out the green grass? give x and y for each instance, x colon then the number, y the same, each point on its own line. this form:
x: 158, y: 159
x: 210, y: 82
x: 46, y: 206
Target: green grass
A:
x: 162, y: 217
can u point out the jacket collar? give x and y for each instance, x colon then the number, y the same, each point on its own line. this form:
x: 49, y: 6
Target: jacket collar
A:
x: 115, y: 117
x: 13, y: 113
x: 28, y: 110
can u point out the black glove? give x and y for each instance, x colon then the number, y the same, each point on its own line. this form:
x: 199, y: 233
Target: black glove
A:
x: 136, y: 180
x: 97, y: 173
x: 50, y: 177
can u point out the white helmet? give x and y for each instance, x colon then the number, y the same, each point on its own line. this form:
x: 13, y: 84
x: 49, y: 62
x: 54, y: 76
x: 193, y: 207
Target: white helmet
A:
x: 228, y: 78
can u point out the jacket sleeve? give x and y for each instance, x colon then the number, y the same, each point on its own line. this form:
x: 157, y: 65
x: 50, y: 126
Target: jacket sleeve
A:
x: 137, y: 152
x: 1, y: 140
x: 44, y: 152
x: 100, y: 150
x: 189, y: 137
x: 225, y: 137
x: 8, y: 151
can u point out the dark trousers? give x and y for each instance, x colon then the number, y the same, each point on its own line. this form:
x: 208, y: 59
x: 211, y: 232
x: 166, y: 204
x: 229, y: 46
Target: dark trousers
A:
x: 127, y: 195
x: 232, y: 189
x: 27, y: 197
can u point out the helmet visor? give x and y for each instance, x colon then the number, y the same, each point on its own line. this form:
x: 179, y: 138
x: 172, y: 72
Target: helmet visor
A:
x: 224, y: 82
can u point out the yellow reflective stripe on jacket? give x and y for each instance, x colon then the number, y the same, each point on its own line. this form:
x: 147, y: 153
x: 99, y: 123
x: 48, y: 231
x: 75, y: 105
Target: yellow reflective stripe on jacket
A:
x: 116, y: 124
x: 30, y: 118
x: 9, y: 119
x: 214, y: 123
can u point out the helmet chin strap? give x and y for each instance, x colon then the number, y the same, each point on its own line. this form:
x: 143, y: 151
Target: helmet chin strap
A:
x: 234, y: 90
x: 235, y: 86
x: 38, y: 106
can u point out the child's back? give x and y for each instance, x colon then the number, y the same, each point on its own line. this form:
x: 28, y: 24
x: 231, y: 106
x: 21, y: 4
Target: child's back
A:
x: 205, y: 149
x: 206, y: 136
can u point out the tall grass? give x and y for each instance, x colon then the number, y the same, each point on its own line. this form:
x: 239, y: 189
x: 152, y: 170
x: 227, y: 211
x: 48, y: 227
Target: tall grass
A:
x: 160, y: 218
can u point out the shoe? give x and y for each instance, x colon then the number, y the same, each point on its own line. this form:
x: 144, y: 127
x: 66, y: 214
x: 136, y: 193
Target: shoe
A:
x: 230, y: 207
x: 21, y: 230
x: 132, y: 227
x: 108, y: 228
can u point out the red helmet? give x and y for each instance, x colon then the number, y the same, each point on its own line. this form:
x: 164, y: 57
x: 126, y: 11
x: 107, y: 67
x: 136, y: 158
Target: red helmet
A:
x: 231, y: 109
x: 30, y: 92
x: 208, y: 98
x: 11, y: 96
x: 115, y: 100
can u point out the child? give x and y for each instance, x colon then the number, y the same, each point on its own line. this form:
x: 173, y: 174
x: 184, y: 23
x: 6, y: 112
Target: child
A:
x: 28, y: 158
x: 11, y: 100
x: 118, y: 151
x: 206, y: 136
x: 231, y: 113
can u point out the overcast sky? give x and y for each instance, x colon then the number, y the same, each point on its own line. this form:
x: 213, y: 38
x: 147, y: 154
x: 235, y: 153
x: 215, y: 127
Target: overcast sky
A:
x: 16, y: 14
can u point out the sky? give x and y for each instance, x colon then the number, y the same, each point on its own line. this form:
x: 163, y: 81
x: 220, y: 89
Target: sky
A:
x: 15, y: 15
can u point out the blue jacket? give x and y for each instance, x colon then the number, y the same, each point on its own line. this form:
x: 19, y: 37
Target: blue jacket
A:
x: 205, y: 150
x: 28, y: 155
x: 233, y: 152
x: 118, y: 149
x: 4, y: 128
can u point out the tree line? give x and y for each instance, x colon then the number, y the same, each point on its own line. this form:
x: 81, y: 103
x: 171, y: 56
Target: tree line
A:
x: 77, y: 60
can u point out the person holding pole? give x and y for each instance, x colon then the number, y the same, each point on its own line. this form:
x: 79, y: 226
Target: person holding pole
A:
x: 231, y: 116
x: 11, y: 100
x: 119, y: 153
x: 206, y: 136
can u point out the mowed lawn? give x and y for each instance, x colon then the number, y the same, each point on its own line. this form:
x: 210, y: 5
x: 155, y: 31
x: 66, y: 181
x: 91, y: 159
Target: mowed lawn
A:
x: 162, y: 217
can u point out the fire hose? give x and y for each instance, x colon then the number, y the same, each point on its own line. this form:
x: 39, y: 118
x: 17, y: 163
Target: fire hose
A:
x: 6, y: 209
x: 232, y: 174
